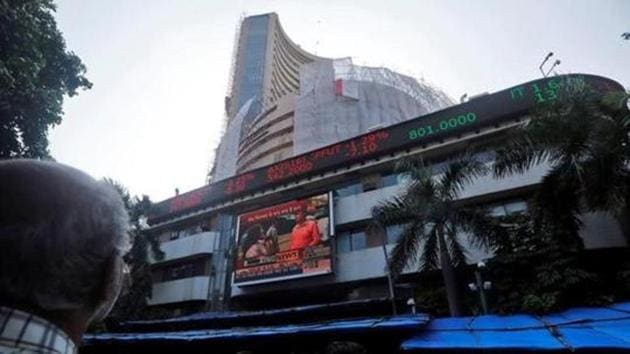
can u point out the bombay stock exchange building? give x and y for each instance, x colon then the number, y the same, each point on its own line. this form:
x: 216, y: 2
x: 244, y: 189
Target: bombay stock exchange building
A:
x: 283, y: 101
x: 285, y: 156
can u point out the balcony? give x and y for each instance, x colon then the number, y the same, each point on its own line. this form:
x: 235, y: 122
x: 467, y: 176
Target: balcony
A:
x: 180, y: 290
x: 359, y: 206
x: 188, y: 246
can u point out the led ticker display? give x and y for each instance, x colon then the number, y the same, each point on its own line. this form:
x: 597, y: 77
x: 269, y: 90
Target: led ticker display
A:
x: 442, y: 125
x: 483, y: 111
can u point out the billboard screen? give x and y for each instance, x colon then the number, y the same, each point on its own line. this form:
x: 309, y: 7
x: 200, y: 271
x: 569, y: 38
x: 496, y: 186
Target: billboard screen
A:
x: 284, y: 241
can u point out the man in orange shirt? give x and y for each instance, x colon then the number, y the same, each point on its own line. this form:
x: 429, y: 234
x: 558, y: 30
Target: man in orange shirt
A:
x: 305, y: 232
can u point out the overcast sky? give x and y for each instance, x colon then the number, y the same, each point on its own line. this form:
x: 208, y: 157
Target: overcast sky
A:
x: 160, y: 67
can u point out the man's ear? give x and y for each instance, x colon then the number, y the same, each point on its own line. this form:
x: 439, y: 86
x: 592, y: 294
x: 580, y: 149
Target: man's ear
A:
x: 111, y: 286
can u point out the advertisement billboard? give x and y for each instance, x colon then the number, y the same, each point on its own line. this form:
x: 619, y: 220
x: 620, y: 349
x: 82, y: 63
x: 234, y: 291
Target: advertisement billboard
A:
x: 284, y: 241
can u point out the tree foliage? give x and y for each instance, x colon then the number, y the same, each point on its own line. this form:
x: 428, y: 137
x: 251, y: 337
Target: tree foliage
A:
x: 534, y: 271
x: 436, y: 221
x: 133, y: 299
x: 585, y: 140
x: 36, y: 71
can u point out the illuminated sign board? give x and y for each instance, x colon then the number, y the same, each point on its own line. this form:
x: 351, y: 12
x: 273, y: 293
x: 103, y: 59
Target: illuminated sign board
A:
x: 284, y: 241
x: 480, y: 112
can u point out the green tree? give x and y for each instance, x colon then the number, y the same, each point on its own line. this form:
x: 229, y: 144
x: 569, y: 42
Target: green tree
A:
x: 436, y: 220
x: 36, y: 71
x: 535, y: 270
x: 584, y: 138
x: 133, y: 300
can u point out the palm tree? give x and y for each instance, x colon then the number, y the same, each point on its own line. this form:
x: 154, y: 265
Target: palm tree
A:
x: 585, y: 140
x: 435, y: 218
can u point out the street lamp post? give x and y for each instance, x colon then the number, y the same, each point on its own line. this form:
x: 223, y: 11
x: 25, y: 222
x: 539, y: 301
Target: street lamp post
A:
x: 481, y: 286
x: 543, y: 63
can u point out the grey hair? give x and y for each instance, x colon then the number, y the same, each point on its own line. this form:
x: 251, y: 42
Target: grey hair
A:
x: 59, y: 228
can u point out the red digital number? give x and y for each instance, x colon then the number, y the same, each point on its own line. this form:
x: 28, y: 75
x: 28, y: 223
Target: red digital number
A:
x: 289, y: 168
x: 239, y: 183
x: 186, y: 201
x: 365, y: 145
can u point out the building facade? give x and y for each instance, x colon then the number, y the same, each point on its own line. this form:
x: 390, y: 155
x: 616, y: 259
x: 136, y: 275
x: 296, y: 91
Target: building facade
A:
x: 319, y: 157
x: 281, y: 96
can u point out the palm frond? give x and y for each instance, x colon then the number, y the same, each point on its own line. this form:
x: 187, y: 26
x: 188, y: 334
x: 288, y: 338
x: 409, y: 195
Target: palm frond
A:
x: 519, y: 155
x: 414, y: 167
x: 393, y: 211
x: 458, y: 174
x: 558, y: 132
x: 429, y: 258
x: 405, y: 251
x: 455, y: 248
x: 556, y: 207
x: 607, y: 182
x: 616, y: 100
x: 483, y: 230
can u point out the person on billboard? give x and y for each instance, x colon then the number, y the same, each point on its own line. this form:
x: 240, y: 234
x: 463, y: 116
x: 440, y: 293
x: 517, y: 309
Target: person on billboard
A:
x: 305, y: 233
x: 272, y: 237
x: 263, y: 246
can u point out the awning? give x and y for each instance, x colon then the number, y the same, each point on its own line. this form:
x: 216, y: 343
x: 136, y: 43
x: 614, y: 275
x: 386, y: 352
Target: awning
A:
x: 366, y: 308
x: 395, y: 326
x: 575, y: 329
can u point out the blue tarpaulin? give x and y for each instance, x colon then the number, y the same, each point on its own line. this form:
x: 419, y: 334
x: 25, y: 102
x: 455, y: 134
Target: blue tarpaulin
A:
x: 404, y: 323
x: 367, y: 308
x: 604, y: 329
x: 574, y: 329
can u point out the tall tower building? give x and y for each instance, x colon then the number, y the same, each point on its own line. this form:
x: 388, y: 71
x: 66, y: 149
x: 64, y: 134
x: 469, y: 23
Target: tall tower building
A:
x: 266, y: 66
x: 284, y: 101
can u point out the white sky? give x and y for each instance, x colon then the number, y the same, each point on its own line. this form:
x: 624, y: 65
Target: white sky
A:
x: 160, y: 67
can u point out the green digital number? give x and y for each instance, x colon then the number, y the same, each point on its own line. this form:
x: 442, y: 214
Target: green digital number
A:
x: 446, y: 124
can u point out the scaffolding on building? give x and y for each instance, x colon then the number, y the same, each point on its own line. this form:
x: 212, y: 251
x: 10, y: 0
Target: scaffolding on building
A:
x: 426, y: 94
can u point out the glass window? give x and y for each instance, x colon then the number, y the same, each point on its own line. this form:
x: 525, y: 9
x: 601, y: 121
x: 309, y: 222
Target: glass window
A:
x: 519, y: 206
x: 359, y: 241
x: 180, y: 270
x: 508, y: 207
x: 371, y: 182
x: 497, y: 210
x: 403, y: 178
x: 251, y: 77
x: 343, y: 242
x: 394, y: 232
x: 390, y: 180
x: 348, y: 190
x: 351, y: 241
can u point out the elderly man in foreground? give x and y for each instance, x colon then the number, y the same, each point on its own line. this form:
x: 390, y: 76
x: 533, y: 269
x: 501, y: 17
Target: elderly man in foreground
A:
x: 62, y: 238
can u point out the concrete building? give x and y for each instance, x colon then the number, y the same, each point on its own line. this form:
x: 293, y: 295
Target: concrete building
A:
x: 280, y: 97
x: 324, y: 144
